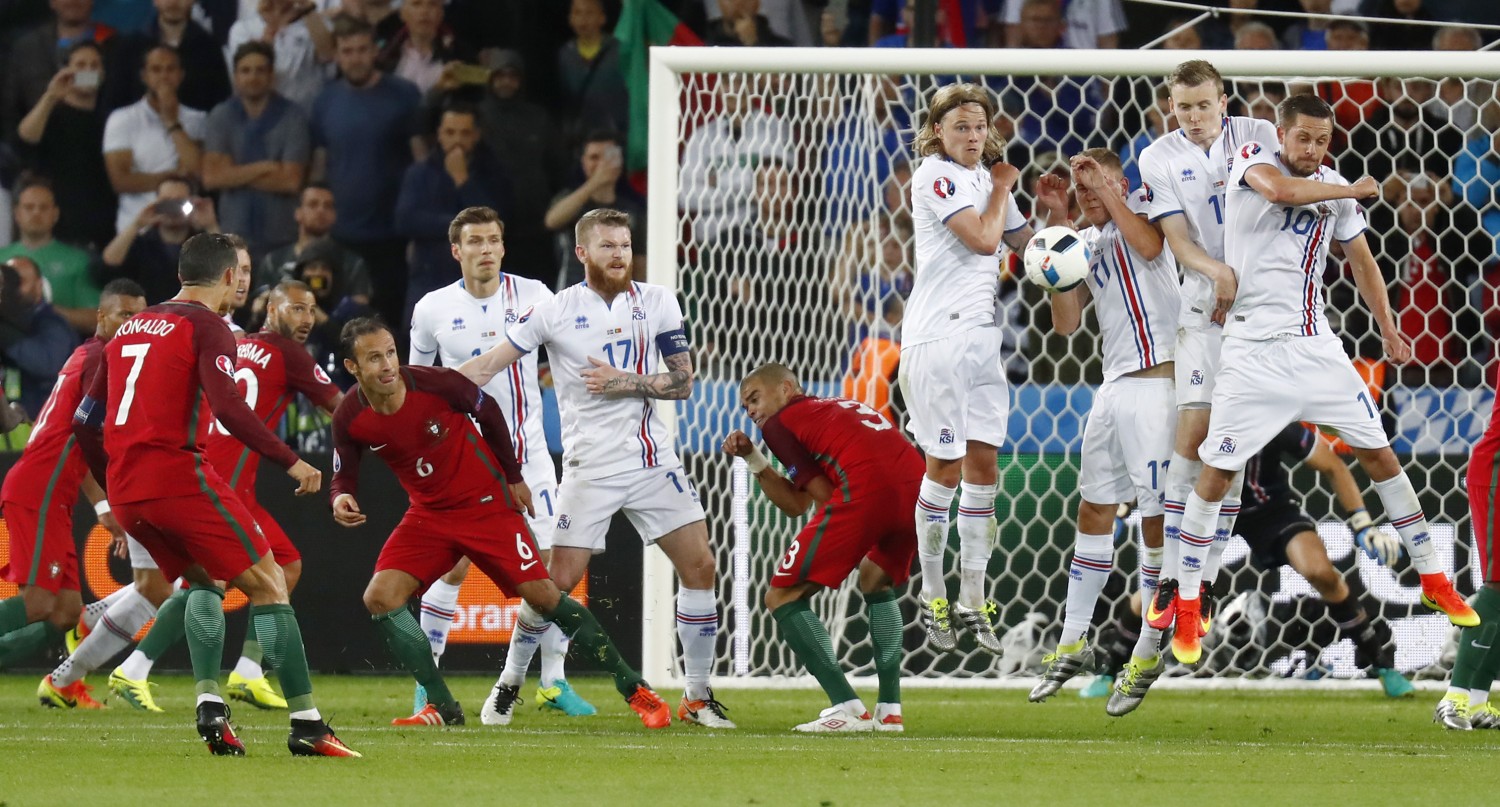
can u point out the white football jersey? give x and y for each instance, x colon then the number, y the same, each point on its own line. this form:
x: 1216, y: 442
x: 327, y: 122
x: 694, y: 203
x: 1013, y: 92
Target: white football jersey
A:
x: 1180, y: 177
x: 452, y: 325
x: 604, y: 436
x: 1136, y: 300
x: 1279, y: 252
x: 955, y: 288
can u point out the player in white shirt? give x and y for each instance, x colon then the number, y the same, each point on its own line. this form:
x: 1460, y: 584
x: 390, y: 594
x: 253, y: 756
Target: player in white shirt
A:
x: 1184, y: 173
x: 1281, y: 360
x: 1128, y: 437
x: 452, y: 325
x: 616, y: 347
x: 952, y: 371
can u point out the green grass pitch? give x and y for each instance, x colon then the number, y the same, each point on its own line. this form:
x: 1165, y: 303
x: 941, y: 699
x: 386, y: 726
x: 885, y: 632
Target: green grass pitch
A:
x: 962, y: 746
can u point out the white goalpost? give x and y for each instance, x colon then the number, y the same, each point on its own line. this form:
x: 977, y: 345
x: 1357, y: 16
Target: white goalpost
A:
x: 777, y: 210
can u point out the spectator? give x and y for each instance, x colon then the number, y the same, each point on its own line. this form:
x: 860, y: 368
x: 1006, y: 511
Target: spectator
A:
x: 876, y: 360
x: 302, y: 42
x: 65, y: 269
x: 1261, y: 99
x: 423, y: 46
x: 1310, y: 34
x: 63, y: 135
x: 37, y: 55
x: 146, y: 250
x: 789, y: 19
x: 34, y: 338
x: 1189, y: 38
x: 1399, y: 37
x: 255, y: 154
x: 589, y: 68
x: 1352, y: 99
x: 741, y: 23
x: 1399, y: 134
x: 599, y: 182
x: 1348, y: 35
x: 1087, y: 24
x: 152, y: 139
x: 125, y: 16
x: 1159, y: 121
x: 1255, y: 36
x: 315, y: 216
x: 318, y: 267
x: 902, y: 36
x: 366, y: 132
x: 205, y: 83
x: 460, y: 173
x: 1476, y: 172
x: 1453, y: 101
x: 717, y: 179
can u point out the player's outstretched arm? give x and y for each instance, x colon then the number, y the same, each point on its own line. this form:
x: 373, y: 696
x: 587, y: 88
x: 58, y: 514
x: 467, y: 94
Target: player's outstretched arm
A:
x: 1067, y: 308
x: 1190, y: 253
x: 88, y: 424
x: 780, y: 490
x: 488, y: 364
x: 1372, y: 290
x: 674, y: 385
x: 1280, y: 189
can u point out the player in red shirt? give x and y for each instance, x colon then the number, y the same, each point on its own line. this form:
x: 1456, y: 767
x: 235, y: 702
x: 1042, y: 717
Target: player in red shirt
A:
x: 863, y: 476
x: 1466, y: 704
x: 273, y: 367
x: 150, y: 456
x: 465, y: 491
x: 38, y: 499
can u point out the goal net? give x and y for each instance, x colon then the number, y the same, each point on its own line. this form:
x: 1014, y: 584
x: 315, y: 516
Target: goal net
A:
x: 782, y: 179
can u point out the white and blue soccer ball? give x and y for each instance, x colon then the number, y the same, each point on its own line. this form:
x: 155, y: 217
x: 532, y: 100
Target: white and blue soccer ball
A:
x: 1057, y: 259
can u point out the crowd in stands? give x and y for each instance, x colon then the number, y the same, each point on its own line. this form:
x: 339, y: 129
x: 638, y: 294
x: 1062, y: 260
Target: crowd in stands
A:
x: 339, y: 138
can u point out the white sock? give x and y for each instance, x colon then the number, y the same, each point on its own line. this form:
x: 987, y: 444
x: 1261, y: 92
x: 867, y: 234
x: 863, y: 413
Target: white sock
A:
x: 554, y: 651
x: 96, y: 609
x: 115, y: 631
x: 525, y: 638
x: 306, y: 714
x: 137, y: 667
x: 1093, y: 557
x: 1229, y: 512
x: 438, y: 605
x: 1453, y: 690
x: 934, y: 503
x: 1199, y: 521
x: 1149, y: 642
x: 248, y: 670
x: 855, y: 707
x: 1182, y: 474
x: 1405, y: 513
x: 1477, y: 697
x: 884, y: 710
x: 976, y: 542
x: 207, y: 698
x: 698, y: 630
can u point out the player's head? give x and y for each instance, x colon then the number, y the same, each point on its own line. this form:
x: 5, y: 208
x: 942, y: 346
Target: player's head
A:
x: 604, y: 249
x: 370, y: 355
x: 291, y: 310
x: 1088, y: 201
x: 210, y: 261
x: 1198, y: 100
x: 958, y: 126
x: 119, y: 300
x: 766, y: 390
x: 1304, y: 123
x: 242, y: 271
x: 477, y: 238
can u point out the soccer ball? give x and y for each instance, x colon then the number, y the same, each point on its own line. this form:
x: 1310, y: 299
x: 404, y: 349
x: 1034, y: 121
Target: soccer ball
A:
x: 1057, y: 259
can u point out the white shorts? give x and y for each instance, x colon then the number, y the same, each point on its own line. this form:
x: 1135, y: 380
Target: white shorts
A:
x: 1264, y: 385
x: 543, y: 484
x: 1197, y: 360
x: 139, y: 557
x: 956, y: 391
x: 656, y: 500
x: 1127, y: 443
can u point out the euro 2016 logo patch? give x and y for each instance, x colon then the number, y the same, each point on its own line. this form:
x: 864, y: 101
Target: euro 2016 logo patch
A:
x: 320, y: 376
x: 1196, y: 379
x: 225, y: 365
x: 945, y: 436
x: 1227, y: 447
x: 1250, y: 150
x: 1146, y: 190
x: 944, y: 188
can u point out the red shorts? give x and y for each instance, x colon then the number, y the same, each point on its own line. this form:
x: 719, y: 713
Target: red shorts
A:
x: 427, y: 543
x: 881, y: 527
x: 281, y: 545
x: 41, y: 547
x: 1481, y: 484
x: 212, y: 529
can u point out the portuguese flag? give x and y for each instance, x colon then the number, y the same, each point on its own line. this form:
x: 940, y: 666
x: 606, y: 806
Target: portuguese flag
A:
x: 644, y: 23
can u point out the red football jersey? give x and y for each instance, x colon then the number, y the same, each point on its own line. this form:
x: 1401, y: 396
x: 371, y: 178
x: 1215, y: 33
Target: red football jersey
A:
x: 50, y: 465
x: 846, y: 441
x: 161, y: 374
x: 271, y: 369
x: 429, y: 442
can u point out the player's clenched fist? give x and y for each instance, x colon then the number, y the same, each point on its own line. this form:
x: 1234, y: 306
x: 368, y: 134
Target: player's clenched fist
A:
x: 520, y: 499
x: 738, y: 444
x: 346, y: 511
x: 1365, y: 188
x: 1005, y: 175
x: 309, y: 479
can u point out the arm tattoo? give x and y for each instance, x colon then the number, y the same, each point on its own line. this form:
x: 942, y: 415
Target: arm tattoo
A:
x: 674, y: 385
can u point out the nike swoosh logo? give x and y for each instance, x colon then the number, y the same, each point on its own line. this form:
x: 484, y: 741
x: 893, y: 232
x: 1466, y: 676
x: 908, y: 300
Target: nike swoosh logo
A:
x: 377, y: 448
x: 526, y: 566
x: 1480, y: 646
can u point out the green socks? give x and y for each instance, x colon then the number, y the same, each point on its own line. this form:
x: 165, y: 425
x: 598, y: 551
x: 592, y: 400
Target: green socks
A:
x: 801, y: 629
x: 205, y: 635
x: 19, y: 646
x: 409, y: 645
x: 1475, y: 666
x: 168, y: 627
x: 588, y: 635
x: 886, y: 627
x: 12, y: 614
x: 277, y: 624
x: 252, y: 650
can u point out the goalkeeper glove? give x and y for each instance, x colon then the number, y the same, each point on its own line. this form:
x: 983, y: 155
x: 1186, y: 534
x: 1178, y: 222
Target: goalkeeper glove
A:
x: 1376, y: 544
